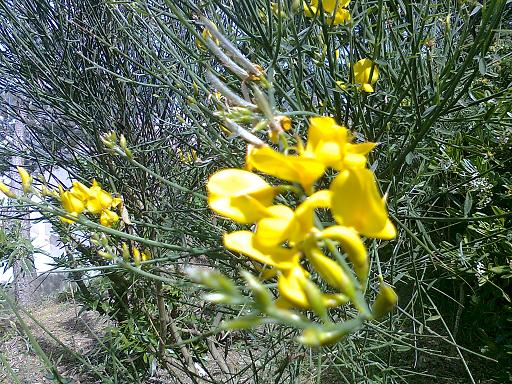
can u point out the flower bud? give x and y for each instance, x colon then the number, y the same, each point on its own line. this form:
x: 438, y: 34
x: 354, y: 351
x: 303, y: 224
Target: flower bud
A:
x: 136, y: 256
x: 315, y: 337
x: 385, y: 302
x: 243, y: 322
x: 314, y: 297
x: 26, y: 179
x: 6, y: 190
x: 331, y: 271
x: 125, y: 252
x: 262, y: 295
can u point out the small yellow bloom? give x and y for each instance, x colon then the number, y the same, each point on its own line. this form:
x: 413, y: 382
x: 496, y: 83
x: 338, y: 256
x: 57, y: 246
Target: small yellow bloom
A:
x: 243, y: 242
x: 108, y: 218
x: 356, y: 203
x: 283, y: 224
x: 146, y: 255
x: 341, y: 16
x: 80, y: 191
x: 26, y: 179
x: 362, y: 70
x: 290, y: 284
x: 239, y: 195
x: 290, y: 168
x: 385, y: 302
x: 296, y: 289
x: 71, y: 203
x: 326, y: 141
x: 98, y: 199
x: 336, y: 12
x: 6, y: 190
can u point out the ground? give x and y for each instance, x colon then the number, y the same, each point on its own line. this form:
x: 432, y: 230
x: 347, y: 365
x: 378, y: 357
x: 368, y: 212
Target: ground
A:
x: 76, y: 331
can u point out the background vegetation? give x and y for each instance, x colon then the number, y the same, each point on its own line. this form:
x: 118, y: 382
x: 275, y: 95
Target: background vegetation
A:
x: 72, y: 71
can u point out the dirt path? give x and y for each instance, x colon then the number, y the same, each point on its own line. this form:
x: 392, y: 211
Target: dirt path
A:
x: 78, y: 332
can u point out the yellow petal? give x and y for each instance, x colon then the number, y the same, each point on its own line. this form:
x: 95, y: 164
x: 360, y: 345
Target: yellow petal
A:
x: 94, y: 206
x: 71, y: 203
x: 356, y: 203
x: 6, y: 190
x: 237, y: 182
x: 304, y: 212
x: 242, y: 209
x: 243, y: 242
x: 80, y: 191
x: 310, y: 10
x: 361, y: 148
x: 108, y: 218
x: 388, y: 232
x: 367, y: 88
x: 273, y: 231
x: 290, y: 287
x: 340, y: 17
x: 362, y: 70
x: 353, y: 160
x: 352, y: 245
x: 326, y: 140
x: 116, y: 201
x: 290, y: 168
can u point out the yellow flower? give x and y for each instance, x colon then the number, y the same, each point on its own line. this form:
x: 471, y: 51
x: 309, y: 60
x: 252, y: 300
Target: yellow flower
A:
x: 326, y: 141
x: 355, y: 154
x: 290, y: 168
x: 108, y: 218
x: 341, y: 16
x: 362, y: 70
x: 136, y: 256
x: 26, y: 179
x: 385, y: 302
x: 80, y: 191
x: 283, y: 224
x: 146, y: 255
x: 239, y: 195
x: 335, y: 10
x: 330, y: 144
x: 243, y: 242
x: 72, y: 204
x: 98, y: 199
x: 6, y: 190
x: 356, y: 203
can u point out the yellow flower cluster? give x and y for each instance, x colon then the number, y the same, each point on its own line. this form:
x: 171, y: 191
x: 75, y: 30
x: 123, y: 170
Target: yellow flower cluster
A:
x: 94, y: 199
x: 283, y: 237
x: 366, y: 74
x: 336, y: 10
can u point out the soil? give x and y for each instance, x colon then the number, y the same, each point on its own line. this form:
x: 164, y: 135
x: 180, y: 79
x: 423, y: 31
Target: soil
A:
x: 77, y: 331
